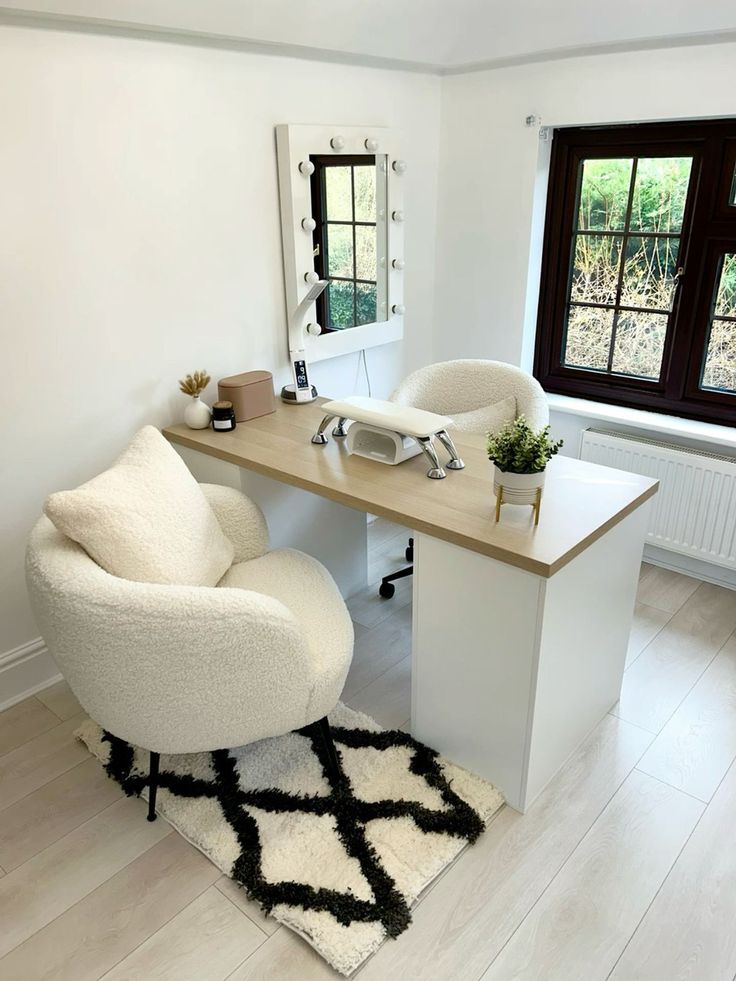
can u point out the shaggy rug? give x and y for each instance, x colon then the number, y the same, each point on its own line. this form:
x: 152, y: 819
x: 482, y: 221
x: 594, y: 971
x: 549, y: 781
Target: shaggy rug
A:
x: 342, y: 869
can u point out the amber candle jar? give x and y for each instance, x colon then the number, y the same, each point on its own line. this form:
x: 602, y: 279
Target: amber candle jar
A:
x: 223, y: 417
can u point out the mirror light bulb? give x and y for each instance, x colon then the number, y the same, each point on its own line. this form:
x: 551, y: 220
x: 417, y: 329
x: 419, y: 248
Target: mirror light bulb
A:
x: 398, y: 264
x: 399, y: 166
x: 306, y: 167
x: 337, y: 142
x: 311, y: 277
x: 371, y: 145
x: 309, y: 224
x: 314, y: 329
x: 397, y: 215
x: 398, y: 309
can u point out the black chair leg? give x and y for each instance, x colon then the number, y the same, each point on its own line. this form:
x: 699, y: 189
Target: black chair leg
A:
x: 333, y: 761
x: 152, y: 786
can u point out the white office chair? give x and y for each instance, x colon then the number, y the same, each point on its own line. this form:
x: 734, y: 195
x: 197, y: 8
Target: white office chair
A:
x: 468, y: 391
x: 188, y: 669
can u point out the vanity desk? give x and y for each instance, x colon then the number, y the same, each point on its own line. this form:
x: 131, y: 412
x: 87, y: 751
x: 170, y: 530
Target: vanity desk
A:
x: 519, y: 632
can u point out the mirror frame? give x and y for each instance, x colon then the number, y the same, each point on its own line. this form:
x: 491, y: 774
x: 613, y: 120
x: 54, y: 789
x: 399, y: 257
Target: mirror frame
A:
x: 295, y: 144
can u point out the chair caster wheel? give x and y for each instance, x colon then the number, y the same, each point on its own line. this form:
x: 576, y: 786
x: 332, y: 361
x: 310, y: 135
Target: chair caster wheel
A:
x: 386, y: 590
x: 409, y: 553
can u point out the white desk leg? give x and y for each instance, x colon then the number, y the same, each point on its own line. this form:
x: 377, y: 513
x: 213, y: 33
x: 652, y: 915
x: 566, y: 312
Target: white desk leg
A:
x: 332, y: 533
x: 511, y: 671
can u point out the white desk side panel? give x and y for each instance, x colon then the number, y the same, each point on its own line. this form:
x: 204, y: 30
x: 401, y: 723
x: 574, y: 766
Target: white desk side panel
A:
x: 588, y: 610
x: 332, y: 533
x: 474, y: 646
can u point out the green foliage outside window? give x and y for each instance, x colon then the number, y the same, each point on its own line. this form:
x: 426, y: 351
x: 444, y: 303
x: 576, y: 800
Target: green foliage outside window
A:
x: 351, y: 254
x: 637, y: 271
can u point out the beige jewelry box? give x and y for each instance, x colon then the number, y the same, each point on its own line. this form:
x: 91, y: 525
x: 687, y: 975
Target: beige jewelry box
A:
x: 251, y: 393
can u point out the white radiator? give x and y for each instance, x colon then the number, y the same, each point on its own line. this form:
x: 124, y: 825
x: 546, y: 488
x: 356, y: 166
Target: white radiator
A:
x: 694, y: 512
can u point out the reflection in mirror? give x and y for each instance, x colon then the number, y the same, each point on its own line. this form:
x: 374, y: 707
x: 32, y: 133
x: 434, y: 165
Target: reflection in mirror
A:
x: 349, y: 208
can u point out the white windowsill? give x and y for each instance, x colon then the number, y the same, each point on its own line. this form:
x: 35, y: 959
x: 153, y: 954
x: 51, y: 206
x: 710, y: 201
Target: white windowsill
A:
x: 651, y: 422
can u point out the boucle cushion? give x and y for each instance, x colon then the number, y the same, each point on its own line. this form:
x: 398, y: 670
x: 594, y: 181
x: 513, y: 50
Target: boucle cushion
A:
x: 487, y: 419
x: 146, y: 518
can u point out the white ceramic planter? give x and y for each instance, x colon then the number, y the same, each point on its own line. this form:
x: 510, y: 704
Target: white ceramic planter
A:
x: 518, y: 488
x: 197, y: 414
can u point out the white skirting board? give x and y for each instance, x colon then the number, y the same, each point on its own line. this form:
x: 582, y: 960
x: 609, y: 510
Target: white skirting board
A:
x: 706, y: 571
x: 24, y: 671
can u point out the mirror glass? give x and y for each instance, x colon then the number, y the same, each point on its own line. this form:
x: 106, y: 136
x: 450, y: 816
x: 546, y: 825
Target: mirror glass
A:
x: 349, y: 240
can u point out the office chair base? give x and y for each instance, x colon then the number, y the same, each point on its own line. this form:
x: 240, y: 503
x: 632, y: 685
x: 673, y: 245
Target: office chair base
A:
x: 387, y: 589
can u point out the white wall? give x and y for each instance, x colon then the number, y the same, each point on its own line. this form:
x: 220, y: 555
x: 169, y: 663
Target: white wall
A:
x: 493, y: 175
x: 140, y: 240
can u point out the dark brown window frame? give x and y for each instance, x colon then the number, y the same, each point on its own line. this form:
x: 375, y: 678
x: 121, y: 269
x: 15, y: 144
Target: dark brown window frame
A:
x: 319, y: 236
x: 709, y: 225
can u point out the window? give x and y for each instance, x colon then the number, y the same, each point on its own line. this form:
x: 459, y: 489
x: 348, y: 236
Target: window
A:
x: 345, y: 239
x: 638, y: 289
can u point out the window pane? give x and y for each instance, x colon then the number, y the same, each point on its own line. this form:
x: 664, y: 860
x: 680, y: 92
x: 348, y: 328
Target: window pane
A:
x: 604, y: 194
x: 719, y: 371
x: 341, y: 305
x: 660, y: 190
x: 596, y: 268
x: 340, y: 251
x: 726, y: 293
x: 365, y: 252
x: 365, y: 193
x: 649, y: 272
x: 588, y: 338
x: 365, y: 299
x: 639, y: 344
x: 339, y: 193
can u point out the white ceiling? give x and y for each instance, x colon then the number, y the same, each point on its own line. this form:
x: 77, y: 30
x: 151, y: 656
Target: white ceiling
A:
x: 438, y: 34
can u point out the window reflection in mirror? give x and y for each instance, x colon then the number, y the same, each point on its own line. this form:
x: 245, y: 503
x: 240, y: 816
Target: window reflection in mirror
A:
x: 348, y: 206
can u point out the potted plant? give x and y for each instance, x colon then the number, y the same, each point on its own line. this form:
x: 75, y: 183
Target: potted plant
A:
x: 520, y: 457
x: 197, y: 414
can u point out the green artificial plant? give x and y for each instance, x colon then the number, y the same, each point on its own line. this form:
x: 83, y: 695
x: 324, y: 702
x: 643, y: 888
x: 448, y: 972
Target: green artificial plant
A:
x: 517, y: 448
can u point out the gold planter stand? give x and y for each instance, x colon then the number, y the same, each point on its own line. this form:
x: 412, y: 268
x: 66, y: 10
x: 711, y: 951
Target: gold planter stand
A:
x: 537, y: 504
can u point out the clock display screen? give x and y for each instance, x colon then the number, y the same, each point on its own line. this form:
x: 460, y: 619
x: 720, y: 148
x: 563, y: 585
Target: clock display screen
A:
x: 300, y: 371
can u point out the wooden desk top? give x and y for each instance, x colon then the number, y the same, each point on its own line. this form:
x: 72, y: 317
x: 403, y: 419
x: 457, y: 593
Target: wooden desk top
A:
x: 581, y: 501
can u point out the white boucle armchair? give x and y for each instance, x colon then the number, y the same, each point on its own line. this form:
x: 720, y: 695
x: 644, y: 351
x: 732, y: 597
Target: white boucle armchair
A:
x: 476, y: 394
x: 186, y: 669
x: 463, y: 388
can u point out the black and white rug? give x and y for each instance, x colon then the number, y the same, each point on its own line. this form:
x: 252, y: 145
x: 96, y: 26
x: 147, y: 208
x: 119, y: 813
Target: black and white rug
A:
x: 341, y: 869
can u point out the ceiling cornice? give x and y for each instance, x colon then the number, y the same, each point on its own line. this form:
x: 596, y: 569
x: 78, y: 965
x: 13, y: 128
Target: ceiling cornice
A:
x: 101, y: 26
x: 11, y: 17
x: 591, y: 50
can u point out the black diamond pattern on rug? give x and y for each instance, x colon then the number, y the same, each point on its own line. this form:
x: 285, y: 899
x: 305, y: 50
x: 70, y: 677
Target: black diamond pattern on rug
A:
x: 350, y: 813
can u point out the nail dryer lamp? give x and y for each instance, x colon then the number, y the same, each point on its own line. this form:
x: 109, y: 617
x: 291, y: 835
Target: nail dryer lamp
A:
x: 301, y: 390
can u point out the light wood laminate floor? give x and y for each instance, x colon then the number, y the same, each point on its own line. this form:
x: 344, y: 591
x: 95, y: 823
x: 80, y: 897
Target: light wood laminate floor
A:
x: 624, y: 868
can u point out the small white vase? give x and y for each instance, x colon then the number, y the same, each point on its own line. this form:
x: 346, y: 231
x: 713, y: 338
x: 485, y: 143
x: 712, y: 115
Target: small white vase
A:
x: 518, y: 488
x: 197, y: 414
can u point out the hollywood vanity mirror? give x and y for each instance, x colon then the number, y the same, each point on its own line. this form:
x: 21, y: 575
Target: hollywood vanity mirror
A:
x: 342, y: 216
